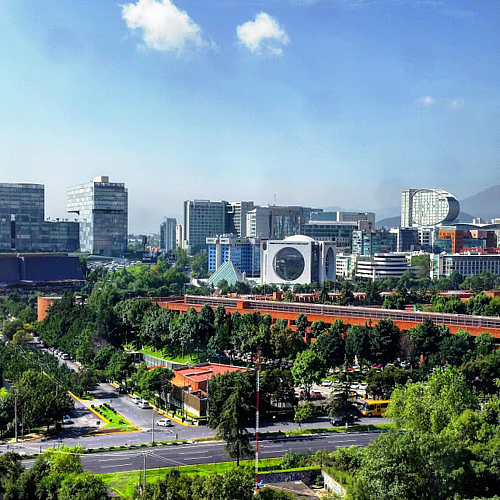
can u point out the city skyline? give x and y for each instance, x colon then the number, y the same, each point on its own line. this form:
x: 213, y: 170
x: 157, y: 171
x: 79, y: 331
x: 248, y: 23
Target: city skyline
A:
x: 237, y: 101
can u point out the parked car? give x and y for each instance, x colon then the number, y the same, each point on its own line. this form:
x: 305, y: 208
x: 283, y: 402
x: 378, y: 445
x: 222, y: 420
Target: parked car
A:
x: 343, y: 419
x: 136, y: 400
x: 317, y: 395
x: 67, y: 419
x: 165, y: 422
x: 121, y: 390
x: 144, y: 404
x: 65, y: 356
x: 327, y: 383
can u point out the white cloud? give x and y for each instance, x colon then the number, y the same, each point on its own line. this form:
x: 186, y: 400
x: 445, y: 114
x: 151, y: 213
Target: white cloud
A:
x: 427, y: 101
x: 456, y: 104
x: 164, y: 27
x: 264, y: 35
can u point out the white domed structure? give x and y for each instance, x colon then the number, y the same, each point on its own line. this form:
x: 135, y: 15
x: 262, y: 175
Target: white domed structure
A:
x: 297, y: 259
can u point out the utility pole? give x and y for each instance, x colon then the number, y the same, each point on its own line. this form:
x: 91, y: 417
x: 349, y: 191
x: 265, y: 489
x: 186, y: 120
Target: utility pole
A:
x: 153, y: 425
x: 257, y: 423
x: 15, y: 413
x: 144, y: 455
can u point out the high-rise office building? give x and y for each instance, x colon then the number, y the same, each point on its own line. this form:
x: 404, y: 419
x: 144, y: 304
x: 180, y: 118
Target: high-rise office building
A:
x: 168, y: 235
x: 428, y: 207
x: 102, y: 207
x: 236, y: 217
x: 22, y: 224
x: 203, y: 219
x: 370, y: 242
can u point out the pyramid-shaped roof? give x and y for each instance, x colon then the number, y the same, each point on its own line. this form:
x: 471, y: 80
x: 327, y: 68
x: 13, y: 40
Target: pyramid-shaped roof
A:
x: 227, y: 271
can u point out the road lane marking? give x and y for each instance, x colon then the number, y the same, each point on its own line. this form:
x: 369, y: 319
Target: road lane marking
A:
x: 268, y: 452
x: 110, y: 466
x: 196, y: 458
x: 343, y: 441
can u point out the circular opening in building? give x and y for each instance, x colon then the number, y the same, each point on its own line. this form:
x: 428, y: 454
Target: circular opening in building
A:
x: 289, y: 264
x: 329, y: 263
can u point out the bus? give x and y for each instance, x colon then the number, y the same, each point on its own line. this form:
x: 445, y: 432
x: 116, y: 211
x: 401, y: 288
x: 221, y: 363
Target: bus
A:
x: 375, y: 408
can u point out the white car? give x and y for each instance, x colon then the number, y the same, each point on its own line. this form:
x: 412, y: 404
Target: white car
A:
x: 136, y: 400
x: 165, y: 422
x: 144, y: 404
x: 327, y: 383
x: 67, y: 419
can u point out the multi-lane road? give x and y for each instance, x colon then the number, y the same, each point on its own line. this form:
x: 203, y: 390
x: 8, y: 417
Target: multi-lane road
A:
x: 203, y: 453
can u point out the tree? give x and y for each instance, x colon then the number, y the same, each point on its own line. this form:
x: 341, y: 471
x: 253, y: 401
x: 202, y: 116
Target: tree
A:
x: 394, y: 301
x: 357, y: 343
x: 301, y: 325
x: 317, y: 328
x: 430, y: 406
x: 10, y: 469
x: 346, y: 295
x: 331, y: 346
x: 384, y: 341
x: 285, y: 342
x: 412, y: 466
x: 234, y: 419
x: 309, y: 368
x: 427, y: 337
x: 458, y: 348
x: 304, y: 412
x: 86, y: 486
x: 484, y: 343
x: 120, y: 367
x: 381, y: 383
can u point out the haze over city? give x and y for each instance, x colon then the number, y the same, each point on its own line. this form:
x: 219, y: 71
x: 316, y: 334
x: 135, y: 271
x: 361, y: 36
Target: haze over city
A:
x: 322, y: 103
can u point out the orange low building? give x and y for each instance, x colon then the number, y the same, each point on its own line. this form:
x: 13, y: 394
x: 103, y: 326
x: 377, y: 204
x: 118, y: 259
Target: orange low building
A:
x: 404, y: 320
x: 43, y: 304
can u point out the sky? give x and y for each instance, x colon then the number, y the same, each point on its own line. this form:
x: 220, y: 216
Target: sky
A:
x: 307, y: 102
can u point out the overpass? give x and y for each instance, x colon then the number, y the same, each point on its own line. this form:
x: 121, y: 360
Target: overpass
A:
x: 404, y: 320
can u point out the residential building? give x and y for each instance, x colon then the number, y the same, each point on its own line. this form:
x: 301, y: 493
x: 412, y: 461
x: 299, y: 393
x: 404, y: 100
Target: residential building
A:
x: 244, y: 253
x: 370, y: 242
x: 168, y: 240
x: 297, y: 259
x: 102, y: 207
x: 383, y: 265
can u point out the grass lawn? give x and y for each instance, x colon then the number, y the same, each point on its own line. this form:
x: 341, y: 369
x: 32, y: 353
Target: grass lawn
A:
x: 116, y: 421
x: 175, y: 358
x: 123, y: 482
x: 341, y: 428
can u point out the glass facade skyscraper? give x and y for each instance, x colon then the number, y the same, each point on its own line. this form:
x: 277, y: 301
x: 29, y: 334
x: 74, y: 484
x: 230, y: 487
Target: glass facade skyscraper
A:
x: 22, y: 222
x: 102, y: 207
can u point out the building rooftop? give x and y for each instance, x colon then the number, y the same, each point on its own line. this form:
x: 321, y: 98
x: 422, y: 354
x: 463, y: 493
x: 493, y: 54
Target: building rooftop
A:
x: 206, y: 371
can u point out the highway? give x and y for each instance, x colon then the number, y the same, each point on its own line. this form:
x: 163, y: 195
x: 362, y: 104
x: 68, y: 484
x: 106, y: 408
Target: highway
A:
x: 203, y: 453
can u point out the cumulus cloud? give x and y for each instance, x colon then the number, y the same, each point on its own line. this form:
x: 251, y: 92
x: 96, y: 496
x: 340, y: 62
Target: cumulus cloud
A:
x: 427, y: 101
x: 457, y: 104
x: 164, y: 27
x: 264, y: 35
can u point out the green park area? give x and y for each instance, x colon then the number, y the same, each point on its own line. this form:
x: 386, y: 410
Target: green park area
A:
x: 123, y: 483
x: 114, y: 420
x: 174, y: 357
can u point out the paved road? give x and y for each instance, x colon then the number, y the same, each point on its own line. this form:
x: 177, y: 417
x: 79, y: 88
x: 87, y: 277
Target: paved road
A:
x: 201, y: 453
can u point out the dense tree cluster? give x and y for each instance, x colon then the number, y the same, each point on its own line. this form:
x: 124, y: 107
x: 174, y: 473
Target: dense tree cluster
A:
x: 54, y: 475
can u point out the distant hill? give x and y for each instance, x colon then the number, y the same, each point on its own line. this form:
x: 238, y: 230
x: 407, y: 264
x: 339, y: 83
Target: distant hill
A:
x: 485, y: 204
x: 396, y: 221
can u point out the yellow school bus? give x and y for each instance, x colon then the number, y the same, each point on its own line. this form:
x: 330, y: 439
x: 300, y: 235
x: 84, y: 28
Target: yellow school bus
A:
x: 375, y: 408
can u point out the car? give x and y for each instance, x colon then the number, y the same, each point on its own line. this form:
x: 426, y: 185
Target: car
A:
x: 165, y: 422
x: 67, y: 419
x: 144, y: 404
x: 316, y: 395
x: 65, y: 356
x: 302, y: 395
x: 343, y: 420
x: 136, y: 400
x: 327, y: 383
x: 121, y: 390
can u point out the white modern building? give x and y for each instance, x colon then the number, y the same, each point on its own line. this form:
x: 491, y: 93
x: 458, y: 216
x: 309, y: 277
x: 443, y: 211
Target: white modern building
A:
x: 428, y: 207
x: 383, y: 265
x: 297, y: 259
x: 466, y: 264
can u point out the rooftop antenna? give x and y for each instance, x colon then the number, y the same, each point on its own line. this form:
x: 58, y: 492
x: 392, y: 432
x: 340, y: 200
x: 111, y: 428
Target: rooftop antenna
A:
x: 274, y: 202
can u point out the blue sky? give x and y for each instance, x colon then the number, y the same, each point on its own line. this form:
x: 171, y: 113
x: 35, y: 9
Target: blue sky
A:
x: 319, y: 102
